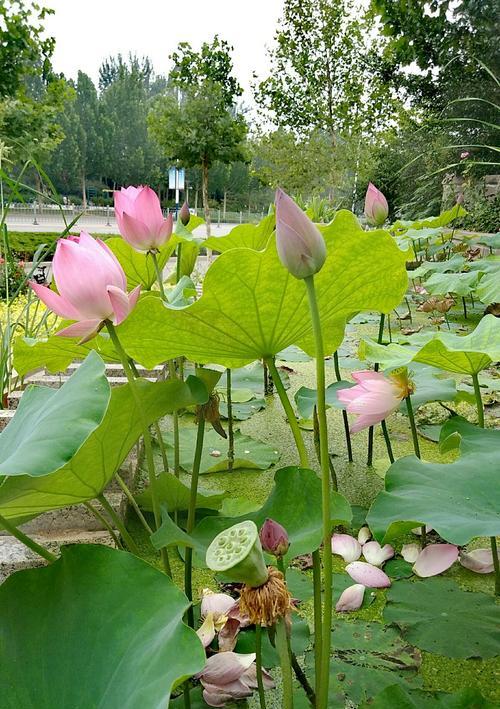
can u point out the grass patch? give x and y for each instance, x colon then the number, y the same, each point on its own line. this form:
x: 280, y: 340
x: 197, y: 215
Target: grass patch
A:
x: 25, y: 243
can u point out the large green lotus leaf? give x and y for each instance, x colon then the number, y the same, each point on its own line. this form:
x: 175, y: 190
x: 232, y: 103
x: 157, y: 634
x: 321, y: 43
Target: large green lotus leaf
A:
x: 306, y: 399
x: 488, y: 290
x: 459, y: 283
x: 174, y: 493
x: 460, y: 500
x: 252, y: 307
x: 138, y: 266
x: 433, y: 222
x: 244, y: 410
x: 430, y: 385
x: 367, y: 657
x: 249, y: 453
x: 57, y: 353
x: 50, y: 425
x: 89, y: 471
x: 249, y: 236
x: 437, y: 616
x: 121, y: 613
x: 295, y: 502
x: 390, y: 356
x: 452, y: 265
x: 170, y: 534
x: 396, y: 697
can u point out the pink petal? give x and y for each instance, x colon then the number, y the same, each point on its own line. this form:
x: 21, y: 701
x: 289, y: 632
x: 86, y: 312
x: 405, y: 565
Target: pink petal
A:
x: 225, y: 667
x: 85, y: 330
x: 228, y: 634
x: 206, y: 632
x: 368, y: 575
x: 120, y: 304
x: 435, y: 559
x: 365, y: 422
x: 375, y: 554
x: 479, y: 560
x: 366, y: 375
x: 55, y: 302
x: 364, y: 535
x: 351, y: 598
x: 346, y: 546
x: 164, y: 231
x: 147, y: 208
x: 216, y: 603
x: 133, y: 297
x: 249, y: 677
x: 410, y: 552
x: 136, y: 233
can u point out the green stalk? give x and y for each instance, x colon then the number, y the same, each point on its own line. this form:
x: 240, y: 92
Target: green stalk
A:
x: 230, y: 423
x: 148, y: 447
x: 380, y: 337
x: 496, y: 564
x: 159, y: 276
x: 345, y: 418
x: 132, y: 546
x: 387, y: 441
x: 325, y: 489
x: 258, y: 665
x: 318, y: 630
x: 479, y: 401
x: 178, y: 264
x: 285, y: 401
x: 188, y: 563
x: 133, y: 502
x: 286, y: 670
x: 27, y: 541
x: 102, y: 519
x: 416, y: 448
x: 177, y: 466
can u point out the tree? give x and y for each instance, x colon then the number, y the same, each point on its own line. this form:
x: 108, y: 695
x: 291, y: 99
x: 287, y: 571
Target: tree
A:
x: 196, y: 121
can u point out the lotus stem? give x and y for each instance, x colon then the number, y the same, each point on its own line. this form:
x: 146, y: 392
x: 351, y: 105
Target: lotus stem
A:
x: 132, y: 546
x: 188, y: 563
x: 496, y: 564
x: 148, y: 447
x: 178, y: 264
x: 286, y: 673
x: 102, y: 519
x: 258, y: 665
x: 325, y: 490
x: 159, y: 275
x: 133, y: 502
x: 27, y: 541
x: 230, y: 423
x: 465, y: 307
x: 387, y: 441
x: 479, y: 400
x: 318, y: 630
x: 177, y: 467
x: 301, y: 677
x: 345, y: 418
x: 416, y: 448
x: 380, y: 337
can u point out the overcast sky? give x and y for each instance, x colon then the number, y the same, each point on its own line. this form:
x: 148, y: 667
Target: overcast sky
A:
x: 87, y: 31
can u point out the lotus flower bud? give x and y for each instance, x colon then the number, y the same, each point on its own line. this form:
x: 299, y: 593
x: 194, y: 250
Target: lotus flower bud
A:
x: 140, y: 219
x: 237, y: 554
x: 376, y: 207
x: 435, y: 559
x: 274, y: 538
x: 351, y: 599
x: 346, y: 546
x: 218, y: 604
x: 410, y: 552
x: 184, y: 214
x: 368, y: 575
x: 479, y: 560
x: 364, y: 535
x: 301, y: 246
x: 375, y: 554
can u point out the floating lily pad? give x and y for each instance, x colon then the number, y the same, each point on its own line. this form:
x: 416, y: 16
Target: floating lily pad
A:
x: 459, y: 283
x: 243, y: 411
x: 396, y: 697
x: 437, y: 616
x: 175, y: 493
x: 430, y: 385
x: 398, y: 569
x: 306, y: 399
x: 126, y: 614
x: 460, y: 500
x: 299, y: 584
x: 293, y: 354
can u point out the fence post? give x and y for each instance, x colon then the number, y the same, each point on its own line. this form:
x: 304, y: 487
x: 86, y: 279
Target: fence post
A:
x: 241, y: 216
x: 218, y: 217
x: 34, y: 213
x: 107, y: 215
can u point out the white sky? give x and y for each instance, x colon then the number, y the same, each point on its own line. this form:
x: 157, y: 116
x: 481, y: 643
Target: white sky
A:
x: 87, y: 31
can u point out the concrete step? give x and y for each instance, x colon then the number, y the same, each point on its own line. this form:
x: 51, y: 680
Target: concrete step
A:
x: 55, y: 381
x: 6, y: 416
x: 116, y: 370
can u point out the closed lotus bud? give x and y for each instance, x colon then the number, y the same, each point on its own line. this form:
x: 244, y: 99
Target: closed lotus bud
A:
x: 274, y: 538
x: 376, y: 207
x: 185, y: 214
x: 351, y: 599
x: 301, y: 246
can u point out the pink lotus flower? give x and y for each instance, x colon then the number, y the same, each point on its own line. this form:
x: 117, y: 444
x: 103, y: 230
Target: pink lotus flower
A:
x: 368, y: 575
x: 346, y: 546
x: 229, y: 676
x: 92, y: 287
x: 140, y: 219
x: 374, y: 397
x: 375, y: 554
x: 435, y: 559
x: 301, y: 246
x: 376, y: 207
x: 351, y: 598
x: 219, y: 604
x: 274, y: 538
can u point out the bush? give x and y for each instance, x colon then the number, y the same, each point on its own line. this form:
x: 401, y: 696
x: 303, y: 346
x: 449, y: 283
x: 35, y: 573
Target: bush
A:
x: 11, y: 276
x: 25, y: 243
x: 483, y: 215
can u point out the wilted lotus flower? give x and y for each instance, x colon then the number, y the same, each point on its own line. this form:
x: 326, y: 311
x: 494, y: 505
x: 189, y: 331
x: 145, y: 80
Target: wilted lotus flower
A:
x: 219, y: 604
x: 368, y: 575
x: 351, y: 599
x: 479, y: 560
x: 140, y: 219
x: 435, y: 559
x: 274, y: 538
x: 229, y: 676
x: 92, y: 287
x: 184, y: 214
x: 375, y: 554
x: 364, y: 535
x: 206, y: 632
x: 410, y: 552
x: 374, y: 397
x: 376, y: 207
x: 301, y: 246
x: 346, y: 546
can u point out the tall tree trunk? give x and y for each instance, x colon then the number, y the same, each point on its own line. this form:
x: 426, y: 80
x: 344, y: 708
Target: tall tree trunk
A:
x: 196, y: 201
x: 204, y: 193
x: 224, y: 206
x: 84, y: 191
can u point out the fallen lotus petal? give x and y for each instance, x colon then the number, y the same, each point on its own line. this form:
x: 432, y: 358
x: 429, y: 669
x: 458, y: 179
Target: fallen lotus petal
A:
x: 410, y: 552
x: 375, y: 554
x: 206, y: 632
x: 435, y: 559
x: 368, y: 575
x: 364, y: 535
x: 351, y: 599
x: 216, y: 603
x: 346, y: 546
x: 479, y: 560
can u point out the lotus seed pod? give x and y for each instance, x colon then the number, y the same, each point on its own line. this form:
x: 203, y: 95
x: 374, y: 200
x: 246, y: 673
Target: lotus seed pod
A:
x: 237, y: 553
